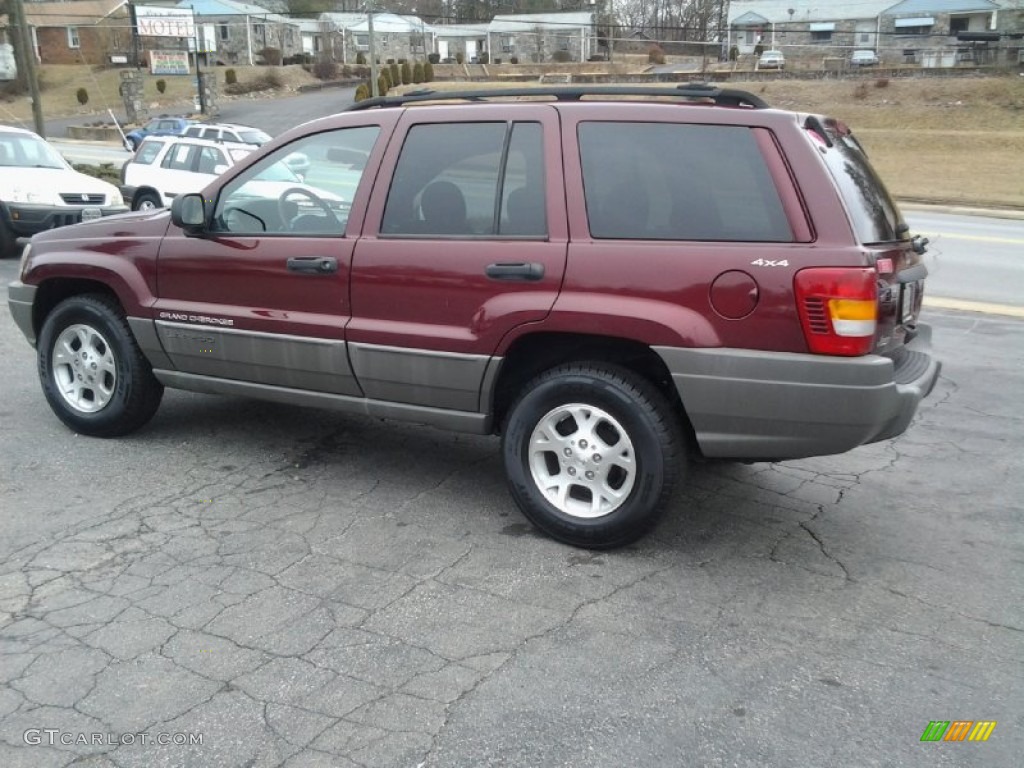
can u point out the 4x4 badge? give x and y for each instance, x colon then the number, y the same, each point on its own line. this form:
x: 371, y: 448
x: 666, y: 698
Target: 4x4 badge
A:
x: 769, y: 263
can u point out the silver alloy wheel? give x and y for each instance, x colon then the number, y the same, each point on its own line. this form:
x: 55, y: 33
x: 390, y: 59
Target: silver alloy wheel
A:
x: 147, y: 205
x: 582, y: 460
x: 84, y: 369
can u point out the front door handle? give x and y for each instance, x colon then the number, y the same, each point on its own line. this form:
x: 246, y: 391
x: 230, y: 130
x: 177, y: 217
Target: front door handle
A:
x: 518, y: 271
x: 316, y: 265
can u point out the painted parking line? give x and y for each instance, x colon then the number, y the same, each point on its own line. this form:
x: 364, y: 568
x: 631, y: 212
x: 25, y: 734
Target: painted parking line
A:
x: 938, y: 302
x: 977, y: 238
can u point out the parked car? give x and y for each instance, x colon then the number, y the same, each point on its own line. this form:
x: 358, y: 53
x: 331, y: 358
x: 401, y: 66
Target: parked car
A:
x: 159, y: 126
x: 244, y: 134
x: 39, y: 190
x: 531, y: 269
x: 771, y: 60
x: 231, y: 132
x: 863, y: 59
x: 166, y: 166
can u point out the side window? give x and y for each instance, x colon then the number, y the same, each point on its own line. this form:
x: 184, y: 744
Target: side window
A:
x: 209, y: 159
x: 194, y: 132
x: 179, y: 157
x: 666, y: 181
x: 449, y: 181
x: 147, y: 152
x: 167, y: 125
x: 270, y: 197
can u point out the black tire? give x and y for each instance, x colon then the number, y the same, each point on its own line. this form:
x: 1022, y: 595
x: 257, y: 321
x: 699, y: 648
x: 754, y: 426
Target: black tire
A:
x: 124, y: 397
x: 140, y: 200
x: 649, y: 425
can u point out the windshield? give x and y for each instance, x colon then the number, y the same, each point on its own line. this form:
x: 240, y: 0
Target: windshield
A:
x: 23, y: 150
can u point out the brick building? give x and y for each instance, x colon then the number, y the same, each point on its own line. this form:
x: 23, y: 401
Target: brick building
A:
x: 83, y: 32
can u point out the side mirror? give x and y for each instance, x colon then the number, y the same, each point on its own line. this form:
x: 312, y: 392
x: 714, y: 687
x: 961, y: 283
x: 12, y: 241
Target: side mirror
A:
x: 189, y: 213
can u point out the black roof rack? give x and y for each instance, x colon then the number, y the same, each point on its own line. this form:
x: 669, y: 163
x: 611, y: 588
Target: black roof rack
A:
x: 725, y: 97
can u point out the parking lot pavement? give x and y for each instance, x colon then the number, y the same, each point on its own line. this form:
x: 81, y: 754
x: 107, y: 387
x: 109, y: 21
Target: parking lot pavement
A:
x: 303, y: 588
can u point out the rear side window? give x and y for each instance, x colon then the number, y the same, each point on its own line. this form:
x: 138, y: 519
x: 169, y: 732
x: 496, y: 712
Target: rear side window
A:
x: 876, y: 219
x: 666, y: 181
x: 468, y: 179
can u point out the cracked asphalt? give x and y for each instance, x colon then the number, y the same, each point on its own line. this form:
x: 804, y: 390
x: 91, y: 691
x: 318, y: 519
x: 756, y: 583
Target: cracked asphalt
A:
x: 305, y: 588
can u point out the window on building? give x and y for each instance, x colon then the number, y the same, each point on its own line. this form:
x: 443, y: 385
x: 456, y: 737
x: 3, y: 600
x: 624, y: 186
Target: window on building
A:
x: 865, y: 37
x: 259, y: 30
x: 73, y: 41
x: 563, y: 42
x: 961, y: 24
x: 362, y: 42
x: 507, y: 43
x: 223, y: 30
x: 821, y: 37
x: 716, y: 170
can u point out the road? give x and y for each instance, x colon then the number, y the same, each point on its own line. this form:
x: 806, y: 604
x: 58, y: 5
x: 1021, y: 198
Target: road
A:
x: 303, y: 588
x: 976, y: 258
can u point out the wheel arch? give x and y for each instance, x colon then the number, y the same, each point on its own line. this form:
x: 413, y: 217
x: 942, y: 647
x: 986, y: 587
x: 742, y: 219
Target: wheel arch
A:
x: 531, y: 354
x: 147, y: 190
x: 55, y: 290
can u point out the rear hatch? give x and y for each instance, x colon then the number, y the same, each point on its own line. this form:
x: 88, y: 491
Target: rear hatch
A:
x: 879, y: 226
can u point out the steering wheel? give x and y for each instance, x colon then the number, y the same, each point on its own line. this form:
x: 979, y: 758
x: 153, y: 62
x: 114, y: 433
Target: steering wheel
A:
x: 289, y: 217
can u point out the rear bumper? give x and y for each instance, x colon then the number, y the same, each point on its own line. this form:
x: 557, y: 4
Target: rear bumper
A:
x: 746, y: 404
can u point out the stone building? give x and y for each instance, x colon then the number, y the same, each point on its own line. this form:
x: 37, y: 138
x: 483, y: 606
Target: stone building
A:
x: 244, y: 33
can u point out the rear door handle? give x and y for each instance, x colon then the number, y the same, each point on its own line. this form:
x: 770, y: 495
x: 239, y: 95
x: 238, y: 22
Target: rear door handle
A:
x: 518, y: 271
x: 317, y: 265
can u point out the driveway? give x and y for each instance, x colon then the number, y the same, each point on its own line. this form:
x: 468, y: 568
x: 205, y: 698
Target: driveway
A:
x: 301, y: 588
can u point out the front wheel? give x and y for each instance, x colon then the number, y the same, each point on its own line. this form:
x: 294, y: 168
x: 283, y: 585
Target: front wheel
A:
x: 93, y: 373
x: 592, y: 452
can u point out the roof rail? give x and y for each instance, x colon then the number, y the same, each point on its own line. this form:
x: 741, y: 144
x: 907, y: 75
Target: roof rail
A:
x: 725, y: 97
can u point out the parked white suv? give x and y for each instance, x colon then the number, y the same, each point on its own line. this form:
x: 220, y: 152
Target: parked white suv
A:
x: 167, y: 166
x: 230, y: 132
x: 233, y: 133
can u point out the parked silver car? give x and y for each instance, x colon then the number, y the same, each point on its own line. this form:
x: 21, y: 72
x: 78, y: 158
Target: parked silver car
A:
x: 771, y: 60
x: 863, y: 59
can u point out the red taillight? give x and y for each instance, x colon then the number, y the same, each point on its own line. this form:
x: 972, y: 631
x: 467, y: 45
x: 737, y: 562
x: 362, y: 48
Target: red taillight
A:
x: 838, y: 309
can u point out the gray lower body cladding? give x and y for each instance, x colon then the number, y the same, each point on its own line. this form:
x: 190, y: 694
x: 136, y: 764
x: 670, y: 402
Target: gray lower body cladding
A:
x: 20, y: 298
x: 746, y: 404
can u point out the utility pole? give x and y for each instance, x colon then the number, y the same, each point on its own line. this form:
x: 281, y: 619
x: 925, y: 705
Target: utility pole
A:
x: 374, y: 91
x: 29, y: 60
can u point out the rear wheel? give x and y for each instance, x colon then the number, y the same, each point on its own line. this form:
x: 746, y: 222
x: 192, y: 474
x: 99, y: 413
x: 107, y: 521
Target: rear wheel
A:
x: 93, y: 373
x: 591, y: 453
x: 146, y: 201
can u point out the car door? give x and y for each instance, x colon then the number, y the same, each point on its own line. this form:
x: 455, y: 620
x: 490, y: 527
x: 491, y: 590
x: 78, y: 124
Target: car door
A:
x: 262, y: 296
x: 466, y: 242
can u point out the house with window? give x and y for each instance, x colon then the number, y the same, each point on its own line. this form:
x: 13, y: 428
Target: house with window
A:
x: 244, y: 33
x: 470, y: 40
x: 543, y: 37
x: 83, y: 32
x: 910, y: 30
x: 804, y: 26
x: 395, y: 37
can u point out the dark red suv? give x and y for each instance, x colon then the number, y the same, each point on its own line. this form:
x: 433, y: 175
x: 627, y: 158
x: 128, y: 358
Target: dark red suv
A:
x: 612, y: 285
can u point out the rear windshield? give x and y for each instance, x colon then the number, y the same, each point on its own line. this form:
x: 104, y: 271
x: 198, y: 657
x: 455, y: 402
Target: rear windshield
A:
x: 876, y: 219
